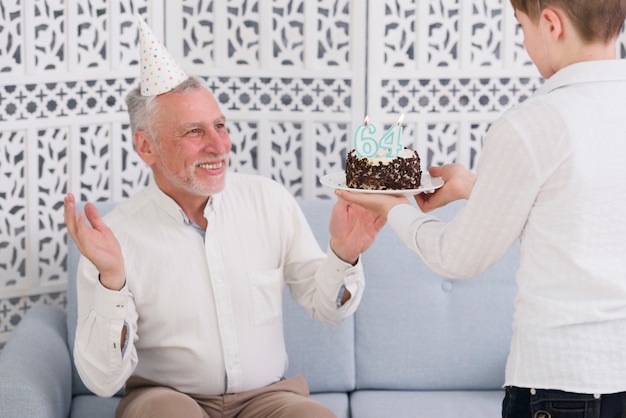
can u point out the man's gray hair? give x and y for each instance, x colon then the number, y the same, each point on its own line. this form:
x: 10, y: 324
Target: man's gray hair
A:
x: 143, y: 110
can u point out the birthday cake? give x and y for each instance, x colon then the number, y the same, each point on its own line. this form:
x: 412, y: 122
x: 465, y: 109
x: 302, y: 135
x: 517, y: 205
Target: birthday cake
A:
x: 383, y: 164
x: 382, y: 172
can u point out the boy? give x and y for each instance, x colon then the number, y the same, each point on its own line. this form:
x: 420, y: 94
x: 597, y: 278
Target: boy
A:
x: 552, y: 173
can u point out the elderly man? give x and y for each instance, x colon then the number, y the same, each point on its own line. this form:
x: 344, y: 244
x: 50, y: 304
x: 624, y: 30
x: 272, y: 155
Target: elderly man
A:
x: 180, y: 286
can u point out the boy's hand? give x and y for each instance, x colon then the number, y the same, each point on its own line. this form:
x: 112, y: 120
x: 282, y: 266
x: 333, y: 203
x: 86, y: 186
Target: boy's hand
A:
x: 378, y: 203
x: 458, y: 184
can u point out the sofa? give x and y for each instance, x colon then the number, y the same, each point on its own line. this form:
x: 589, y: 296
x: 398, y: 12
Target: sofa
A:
x: 420, y: 345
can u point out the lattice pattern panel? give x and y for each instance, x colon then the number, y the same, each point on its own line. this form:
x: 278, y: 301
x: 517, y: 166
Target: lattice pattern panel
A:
x: 50, y: 40
x: 52, y: 185
x: 474, y: 143
x: 135, y: 174
x: 332, y: 23
x: 242, y: 32
x: 72, y: 132
x: 286, y: 155
x: 106, y: 160
x: 284, y: 24
x: 13, y: 237
x: 426, y: 61
x: 260, y: 94
x: 23, y: 102
x: 124, y: 28
x: 453, y: 96
x: 11, y: 58
x: 443, y: 26
x: 95, y: 163
x: 75, y: 35
x: 449, y: 34
x: 466, y: 101
x: 13, y: 309
x: 332, y: 142
x: 445, y: 142
x: 288, y: 38
x: 245, y: 138
x: 442, y: 140
x: 284, y: 73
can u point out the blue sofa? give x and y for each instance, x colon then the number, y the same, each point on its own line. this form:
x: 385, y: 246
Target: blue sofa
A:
x: 420, y: 345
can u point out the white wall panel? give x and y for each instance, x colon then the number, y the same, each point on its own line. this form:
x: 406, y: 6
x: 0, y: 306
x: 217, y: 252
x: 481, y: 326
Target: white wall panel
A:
x: 294, y: 78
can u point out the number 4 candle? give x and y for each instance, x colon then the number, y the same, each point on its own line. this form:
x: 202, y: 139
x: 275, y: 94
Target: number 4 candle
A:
x: 392, y: 139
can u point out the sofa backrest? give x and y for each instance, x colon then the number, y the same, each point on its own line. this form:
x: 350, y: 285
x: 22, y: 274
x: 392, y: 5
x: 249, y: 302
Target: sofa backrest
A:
x: 324, y: 354
x: 416, y: 330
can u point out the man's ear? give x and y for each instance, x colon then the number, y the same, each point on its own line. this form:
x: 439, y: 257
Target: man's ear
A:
x: 145, y: 147
x: 552, y: 18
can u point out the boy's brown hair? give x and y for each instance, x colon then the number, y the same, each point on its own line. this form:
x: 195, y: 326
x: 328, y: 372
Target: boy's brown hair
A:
x: 595, y: 20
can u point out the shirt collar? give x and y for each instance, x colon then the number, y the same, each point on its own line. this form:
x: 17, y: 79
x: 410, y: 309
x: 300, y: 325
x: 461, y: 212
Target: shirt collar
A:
x: 585, y: 72
x: 171, y: 208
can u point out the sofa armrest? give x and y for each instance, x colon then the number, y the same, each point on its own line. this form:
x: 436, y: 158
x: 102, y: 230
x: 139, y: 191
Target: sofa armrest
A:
x: 35, y: 367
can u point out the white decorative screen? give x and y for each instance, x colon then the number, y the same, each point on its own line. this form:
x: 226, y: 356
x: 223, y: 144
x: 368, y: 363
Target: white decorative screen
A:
x: 293, y: 77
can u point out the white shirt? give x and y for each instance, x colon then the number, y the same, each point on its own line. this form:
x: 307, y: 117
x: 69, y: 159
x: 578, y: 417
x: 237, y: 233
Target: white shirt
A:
x: 206, y: 317
x: 553, y: 174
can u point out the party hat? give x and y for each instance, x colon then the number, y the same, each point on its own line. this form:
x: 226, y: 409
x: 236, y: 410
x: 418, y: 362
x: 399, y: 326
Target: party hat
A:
x: 159, y: 71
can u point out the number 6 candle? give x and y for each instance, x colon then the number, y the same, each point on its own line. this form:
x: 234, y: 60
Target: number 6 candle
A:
x: 364, y: 144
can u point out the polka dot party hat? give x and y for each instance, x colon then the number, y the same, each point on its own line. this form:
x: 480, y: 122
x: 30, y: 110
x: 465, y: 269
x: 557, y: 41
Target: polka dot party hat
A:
x: 159, y: 71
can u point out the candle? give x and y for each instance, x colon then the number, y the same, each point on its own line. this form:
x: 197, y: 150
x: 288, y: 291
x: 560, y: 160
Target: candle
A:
x: 364, y: 144
x: 392, y: 139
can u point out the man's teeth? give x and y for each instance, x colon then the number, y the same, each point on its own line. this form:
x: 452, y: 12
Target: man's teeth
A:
x: 210, y: 166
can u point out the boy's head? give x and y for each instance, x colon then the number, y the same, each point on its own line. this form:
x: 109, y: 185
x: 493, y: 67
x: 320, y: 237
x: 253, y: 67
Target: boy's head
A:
x: 595, y: 20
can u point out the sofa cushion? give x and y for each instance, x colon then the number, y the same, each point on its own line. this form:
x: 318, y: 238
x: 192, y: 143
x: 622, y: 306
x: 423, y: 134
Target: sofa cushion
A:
x: 323, y: 354
x: 339, y: 403
x: 91, y: 406
x: 426, y: 404
x: 416, y: 330
x: 35, y: 366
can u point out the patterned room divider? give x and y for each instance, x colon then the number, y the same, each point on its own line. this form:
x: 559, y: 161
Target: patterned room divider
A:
x: 293, y: 77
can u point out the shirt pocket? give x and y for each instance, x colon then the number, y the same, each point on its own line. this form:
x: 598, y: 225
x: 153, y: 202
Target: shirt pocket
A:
x: 267, y: 295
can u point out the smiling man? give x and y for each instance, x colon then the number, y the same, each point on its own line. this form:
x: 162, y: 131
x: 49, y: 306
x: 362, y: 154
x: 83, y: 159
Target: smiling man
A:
x: 180, y: 286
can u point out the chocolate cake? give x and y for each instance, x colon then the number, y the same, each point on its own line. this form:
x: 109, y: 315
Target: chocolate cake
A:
x: 383, y: 173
